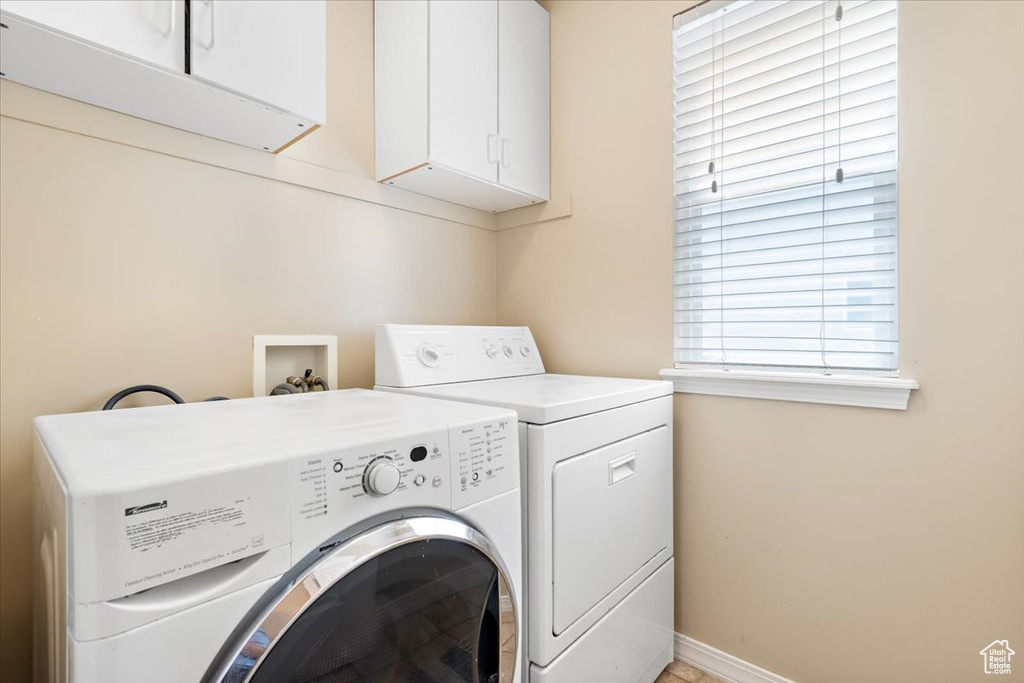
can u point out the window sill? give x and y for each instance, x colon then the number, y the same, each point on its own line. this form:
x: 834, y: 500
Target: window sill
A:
x: 843, y: 390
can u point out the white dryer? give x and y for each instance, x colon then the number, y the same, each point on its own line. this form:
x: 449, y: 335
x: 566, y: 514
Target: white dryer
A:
x: 597, y: 494
x: 310, y: 537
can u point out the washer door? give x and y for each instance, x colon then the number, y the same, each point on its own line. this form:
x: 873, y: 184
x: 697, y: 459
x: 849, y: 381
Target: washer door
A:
x: 418, y: 599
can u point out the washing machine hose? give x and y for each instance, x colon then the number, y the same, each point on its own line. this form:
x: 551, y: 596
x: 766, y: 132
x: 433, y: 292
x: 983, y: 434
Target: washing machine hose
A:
x: 151, y: 388
x: 140, y: 388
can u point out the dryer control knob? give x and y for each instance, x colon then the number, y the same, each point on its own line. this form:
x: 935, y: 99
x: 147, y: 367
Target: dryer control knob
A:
x: 382, y: 477
x: 428, y: 355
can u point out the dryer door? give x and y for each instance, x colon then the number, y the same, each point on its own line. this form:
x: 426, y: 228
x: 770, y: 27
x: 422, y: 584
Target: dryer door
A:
x: 425, y: 598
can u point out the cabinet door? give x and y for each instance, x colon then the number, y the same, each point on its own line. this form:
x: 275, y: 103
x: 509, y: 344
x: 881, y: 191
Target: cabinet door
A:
x: 464, y: 86
x: 150, y: 30
x: 524, y: 96
x: 270, y: 50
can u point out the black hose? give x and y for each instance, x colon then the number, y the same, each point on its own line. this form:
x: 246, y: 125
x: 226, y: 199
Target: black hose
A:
x: 284, y: 389
x: 322, y: 384
x: 218, y: 398
x: 113, y: 400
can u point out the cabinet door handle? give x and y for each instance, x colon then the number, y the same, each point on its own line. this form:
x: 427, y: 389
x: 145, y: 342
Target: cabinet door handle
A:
x: 506, y: 152
x: 170, y: 19
x: 492, y: 149
x: 213, y: 26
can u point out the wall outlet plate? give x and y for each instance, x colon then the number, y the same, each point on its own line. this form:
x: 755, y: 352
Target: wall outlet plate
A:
x: 278, y: 356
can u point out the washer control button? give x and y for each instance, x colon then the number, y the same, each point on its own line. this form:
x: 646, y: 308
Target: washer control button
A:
x: 507, y: 350
x: 491, y: 350
x: 437, y: 481
x: 417, y: 454
x: 419, y: 480
x: 525, y: 350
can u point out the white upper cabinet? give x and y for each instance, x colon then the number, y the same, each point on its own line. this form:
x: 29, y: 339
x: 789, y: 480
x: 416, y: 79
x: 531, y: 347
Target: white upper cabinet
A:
x: 150, y: 30
x: 270, y: 50
x: 252, y: 72
x: 464, y: 86
x: 462, y: 100
x: 524, y: 94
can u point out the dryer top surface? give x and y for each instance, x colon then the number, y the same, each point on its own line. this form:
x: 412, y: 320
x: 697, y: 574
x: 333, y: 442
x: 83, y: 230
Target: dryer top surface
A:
x: 546, y: 398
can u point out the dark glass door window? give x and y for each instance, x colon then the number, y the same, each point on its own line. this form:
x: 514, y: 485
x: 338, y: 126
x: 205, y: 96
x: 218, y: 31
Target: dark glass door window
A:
x: 424, y: 612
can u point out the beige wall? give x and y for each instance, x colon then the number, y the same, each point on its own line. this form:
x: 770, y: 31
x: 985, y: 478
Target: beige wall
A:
x: 823, y: 543
x: 120, y: 266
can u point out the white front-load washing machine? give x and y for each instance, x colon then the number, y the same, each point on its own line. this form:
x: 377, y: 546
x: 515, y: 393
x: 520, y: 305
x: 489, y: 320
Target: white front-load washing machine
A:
x: 316, y: 537
x: 596, y: 454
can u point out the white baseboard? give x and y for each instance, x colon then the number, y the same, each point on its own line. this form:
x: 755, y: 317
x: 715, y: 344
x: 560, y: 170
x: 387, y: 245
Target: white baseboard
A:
x: 722, y: 664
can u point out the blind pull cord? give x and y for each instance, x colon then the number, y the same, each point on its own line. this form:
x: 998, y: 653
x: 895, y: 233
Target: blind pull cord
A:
x: 824, y: 161
x: 839, y: 170
x: 715, y: 185
x: 839, y: 80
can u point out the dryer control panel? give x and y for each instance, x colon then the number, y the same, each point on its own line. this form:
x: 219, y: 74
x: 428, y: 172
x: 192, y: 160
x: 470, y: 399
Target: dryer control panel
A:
x: 485, y: 459
x: 421, y: 355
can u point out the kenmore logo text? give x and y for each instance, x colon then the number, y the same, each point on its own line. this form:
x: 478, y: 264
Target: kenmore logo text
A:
x: 139, y: 509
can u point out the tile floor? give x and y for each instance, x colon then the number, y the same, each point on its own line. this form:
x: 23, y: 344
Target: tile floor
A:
x: 680, y: 672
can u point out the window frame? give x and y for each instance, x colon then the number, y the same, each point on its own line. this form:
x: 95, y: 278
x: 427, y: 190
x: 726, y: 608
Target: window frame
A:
x: 864, y: 387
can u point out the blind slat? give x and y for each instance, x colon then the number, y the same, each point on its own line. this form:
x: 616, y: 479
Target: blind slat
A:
x: 782, y: 173
x: 806, y: 297
x: 705, y: 257
x: 867, y: 189
x: 806, y: 87
x: 699, y: 226
x: 780, y: 123
x: 791, y: 61
x: 880, y: 133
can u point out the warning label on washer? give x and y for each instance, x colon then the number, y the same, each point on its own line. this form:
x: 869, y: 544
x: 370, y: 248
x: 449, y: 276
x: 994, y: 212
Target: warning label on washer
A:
x: 153, y: 532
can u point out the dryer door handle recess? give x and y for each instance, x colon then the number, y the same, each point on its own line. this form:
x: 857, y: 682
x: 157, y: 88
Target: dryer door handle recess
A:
x: 621, y: 468
x: 394, y: 588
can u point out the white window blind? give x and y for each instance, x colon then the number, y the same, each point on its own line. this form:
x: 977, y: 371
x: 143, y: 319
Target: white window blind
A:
x: 785, y: 185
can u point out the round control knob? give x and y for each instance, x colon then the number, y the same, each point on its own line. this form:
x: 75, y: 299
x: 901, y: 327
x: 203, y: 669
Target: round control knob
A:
x: 428, y: 355
x: 491, y: 350
x: 382, y: 477
x: 508, y: 351
x: 525, y: 350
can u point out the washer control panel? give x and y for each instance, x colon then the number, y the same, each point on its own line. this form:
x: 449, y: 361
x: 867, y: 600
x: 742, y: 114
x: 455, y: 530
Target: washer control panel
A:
x: 447, y: 467
x: 418, y: 355
x: 333, y: 488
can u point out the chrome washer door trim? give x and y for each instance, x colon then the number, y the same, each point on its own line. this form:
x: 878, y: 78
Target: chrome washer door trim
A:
x: 338, y: 562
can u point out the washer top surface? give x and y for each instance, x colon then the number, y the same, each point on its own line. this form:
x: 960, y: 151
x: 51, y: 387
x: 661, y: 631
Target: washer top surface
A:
x: 546, y: 398
x: 210, y: 436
